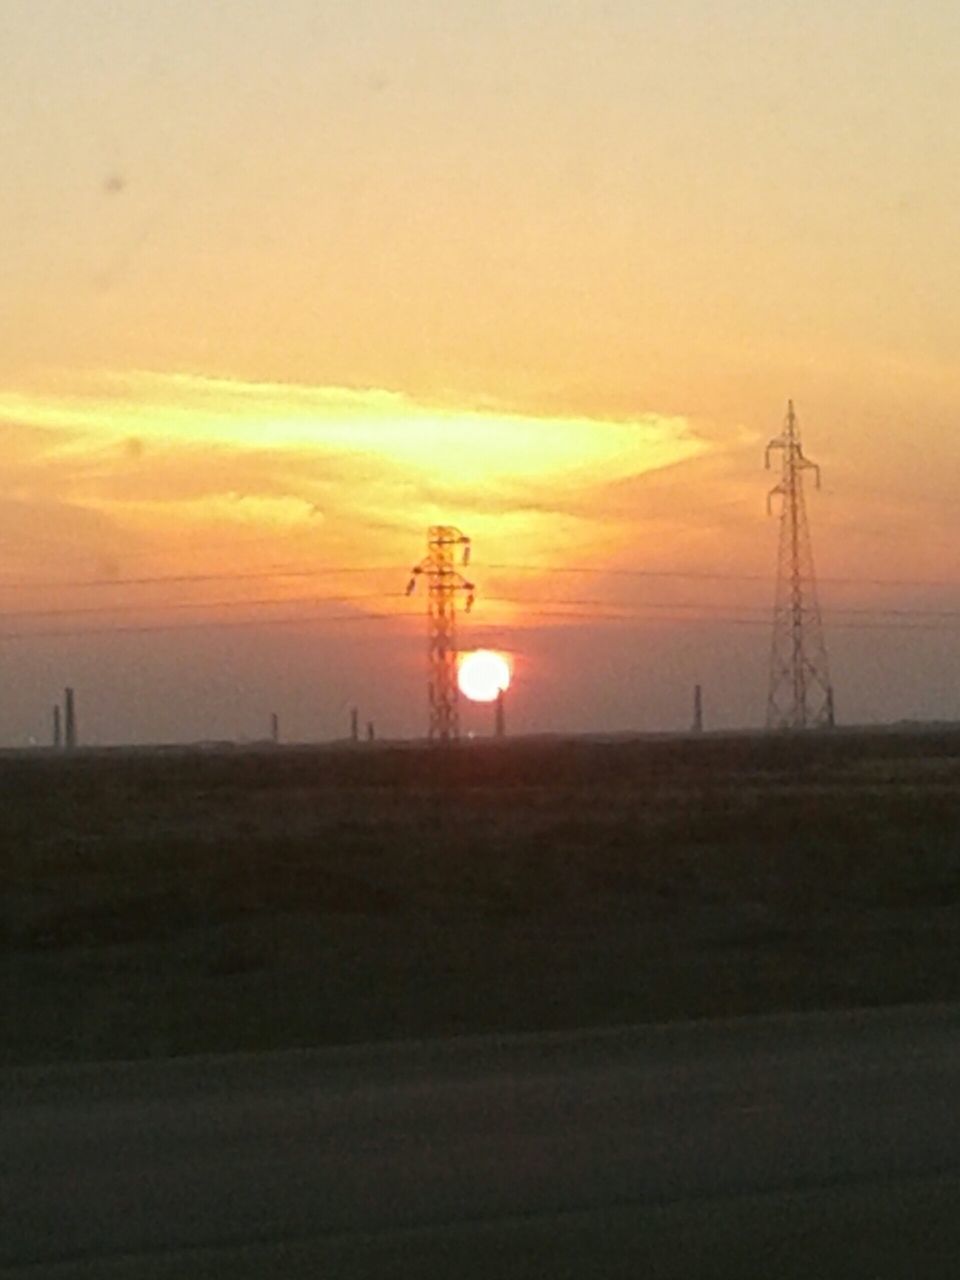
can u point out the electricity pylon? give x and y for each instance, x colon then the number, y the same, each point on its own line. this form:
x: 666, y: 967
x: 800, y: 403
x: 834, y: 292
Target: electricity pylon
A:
x: 800, y: 694
x: 444, y: 585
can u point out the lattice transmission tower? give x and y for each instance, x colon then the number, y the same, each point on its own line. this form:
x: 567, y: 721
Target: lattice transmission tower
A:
x: 445, y: 585
x: 800, y: 694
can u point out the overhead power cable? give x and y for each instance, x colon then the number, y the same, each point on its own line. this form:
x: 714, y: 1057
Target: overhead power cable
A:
x: 557, y: 604
x: 635, y: 618
x: 175, y: 579
x: 230, y: 625
x: 303, y: 571
x: 705, y: 575
x: 187, y: 605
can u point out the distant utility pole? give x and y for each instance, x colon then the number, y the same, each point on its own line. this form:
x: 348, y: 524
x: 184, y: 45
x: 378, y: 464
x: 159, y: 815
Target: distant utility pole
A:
x: 274, y: 728
x: 57, y: 729
x: 70, y: 720
x: 500, y: 723
x: 697, y: 709
x: 371, y: 731
x: 444, y: 587
x: 800, y: 694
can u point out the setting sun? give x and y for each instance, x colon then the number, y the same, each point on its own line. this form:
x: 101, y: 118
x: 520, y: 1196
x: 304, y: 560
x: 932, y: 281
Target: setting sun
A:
x: 483, y: 674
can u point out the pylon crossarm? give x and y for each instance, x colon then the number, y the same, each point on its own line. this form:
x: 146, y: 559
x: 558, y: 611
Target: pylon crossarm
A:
x: 776, y: 443
x: 811, y: 466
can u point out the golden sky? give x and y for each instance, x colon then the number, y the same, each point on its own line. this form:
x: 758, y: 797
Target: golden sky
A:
x: 282, y: 284
x: 135, y: 465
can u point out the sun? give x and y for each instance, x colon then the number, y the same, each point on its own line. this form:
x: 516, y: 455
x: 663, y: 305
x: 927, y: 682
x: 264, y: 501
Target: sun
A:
x: 483, y: 674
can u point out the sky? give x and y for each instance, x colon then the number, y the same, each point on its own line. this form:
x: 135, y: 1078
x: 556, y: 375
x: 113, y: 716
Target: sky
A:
x: 283, y: 284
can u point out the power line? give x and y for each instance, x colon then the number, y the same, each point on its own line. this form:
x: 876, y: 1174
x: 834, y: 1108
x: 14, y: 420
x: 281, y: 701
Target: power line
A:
x: 591, y: 603
x: 713, y: 621
x: 718, y: 576
x: 185, y: 605
x: 232, y: 575
x: 626, y: 617
x: 302, y: 571
x: 153, y: 628
x: 843, y: 610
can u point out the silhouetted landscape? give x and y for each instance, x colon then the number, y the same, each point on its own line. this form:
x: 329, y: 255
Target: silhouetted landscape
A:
x: 173, y: 902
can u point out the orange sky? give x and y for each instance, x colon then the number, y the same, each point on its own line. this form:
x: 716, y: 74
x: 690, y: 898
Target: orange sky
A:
x: 284, y: 284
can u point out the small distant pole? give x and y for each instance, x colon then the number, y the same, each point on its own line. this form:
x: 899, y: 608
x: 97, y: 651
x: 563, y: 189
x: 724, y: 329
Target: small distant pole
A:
x: 500, y: 729
x: 831, y: 721
x: 274, y: 728
x: 371, y: 731
x: 70, y: 720
x: 698, y: 708
x: 354, y: 725
x: 57, y: 728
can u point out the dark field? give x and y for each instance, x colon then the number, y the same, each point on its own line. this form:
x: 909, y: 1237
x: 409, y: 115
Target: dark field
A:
x: 166, y: 903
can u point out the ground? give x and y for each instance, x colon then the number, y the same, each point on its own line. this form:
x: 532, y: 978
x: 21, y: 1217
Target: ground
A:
x: 169, y: 902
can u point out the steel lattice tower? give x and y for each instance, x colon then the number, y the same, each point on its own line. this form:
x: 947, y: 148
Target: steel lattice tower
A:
x: 444, y: 587
x: 800, y: 696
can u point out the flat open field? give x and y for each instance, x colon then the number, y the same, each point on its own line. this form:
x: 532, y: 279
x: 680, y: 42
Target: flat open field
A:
x: 158, y: 903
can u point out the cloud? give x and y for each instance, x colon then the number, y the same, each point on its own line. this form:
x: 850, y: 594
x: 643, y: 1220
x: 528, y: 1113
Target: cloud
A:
x: 429, y: 438
x: 173, y: 455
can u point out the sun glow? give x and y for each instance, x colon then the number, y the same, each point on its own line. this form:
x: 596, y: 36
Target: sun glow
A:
x: 483, y: 675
